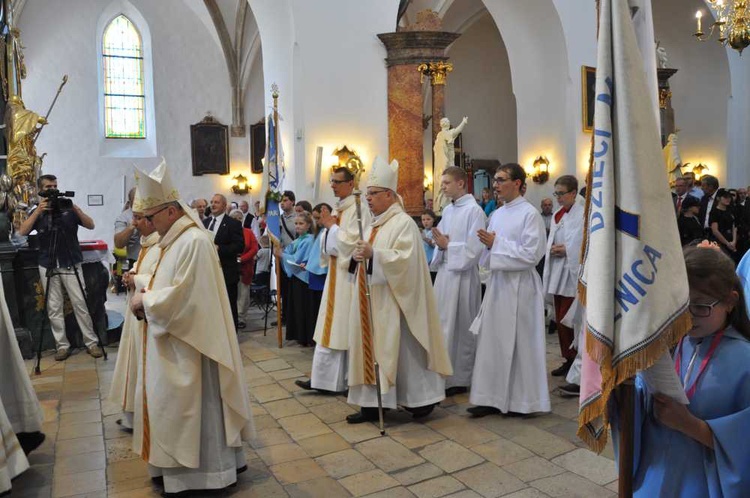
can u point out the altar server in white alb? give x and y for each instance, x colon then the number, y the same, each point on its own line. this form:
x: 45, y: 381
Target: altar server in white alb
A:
x: 335, y: 319
x: 457, y: 287
x: 125, y: 376
x: 406, y: 337
x: 192, y: 412
x: 509, y: 373
x: 562, y: 263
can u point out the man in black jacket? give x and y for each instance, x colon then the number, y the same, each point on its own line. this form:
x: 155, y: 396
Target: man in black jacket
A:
x: 230, y: 243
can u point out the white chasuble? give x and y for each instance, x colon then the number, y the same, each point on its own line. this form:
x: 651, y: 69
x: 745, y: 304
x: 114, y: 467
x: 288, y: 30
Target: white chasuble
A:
x: 334, y: 318
x: 125, y: 376
x: 401, y: 290
x: 18, y: 395
x: 510, y: 369
x: 12, y: 459
x: 458, y: 289
x: 188, y: 322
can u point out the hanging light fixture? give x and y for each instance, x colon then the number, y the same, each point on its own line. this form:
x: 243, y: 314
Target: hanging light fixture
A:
x: 240, y: 186
x: 732, y: 23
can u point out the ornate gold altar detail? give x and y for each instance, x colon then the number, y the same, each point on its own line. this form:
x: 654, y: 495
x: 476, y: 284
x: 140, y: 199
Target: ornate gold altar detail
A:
x: 732, y: 23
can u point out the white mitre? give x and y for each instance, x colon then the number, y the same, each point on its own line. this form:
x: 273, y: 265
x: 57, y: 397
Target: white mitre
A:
x: 153, y: 189
x: 383, y: 175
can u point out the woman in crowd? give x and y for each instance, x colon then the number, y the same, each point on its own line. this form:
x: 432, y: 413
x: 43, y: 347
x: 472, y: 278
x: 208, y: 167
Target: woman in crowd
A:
x: 303, y: 206
x: 488, y: 203
x: 721, y: 222
x: 688, y: 223
x: 293, y: 257
x: 696, y: 450
x: 428, y: 221
x: 247, y: 269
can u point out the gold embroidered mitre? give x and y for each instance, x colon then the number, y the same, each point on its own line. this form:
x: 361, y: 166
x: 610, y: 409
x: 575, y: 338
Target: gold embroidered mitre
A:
x: 383, y: 175
x: 153, y: 189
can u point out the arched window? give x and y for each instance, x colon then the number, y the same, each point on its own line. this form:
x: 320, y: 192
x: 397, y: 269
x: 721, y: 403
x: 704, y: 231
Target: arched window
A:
x: 124, y: 96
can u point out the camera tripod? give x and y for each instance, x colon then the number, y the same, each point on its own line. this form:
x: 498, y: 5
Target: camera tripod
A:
x: 54, y: 247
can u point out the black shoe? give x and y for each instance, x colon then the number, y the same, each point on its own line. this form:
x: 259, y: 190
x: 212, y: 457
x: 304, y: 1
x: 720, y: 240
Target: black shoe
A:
x: 482, y: 411
x: 304, y: 384
x: 241, y: 325
x: 452, y: 391
x: 123, y: 428
x: 30, y: 441
x: 562, y: 370
x: 552, y: 327
x: 570, y: 390
x: 421, y: 411
x: 364, y: 415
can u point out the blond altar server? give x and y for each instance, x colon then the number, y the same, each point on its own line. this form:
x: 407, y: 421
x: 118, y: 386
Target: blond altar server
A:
x: 124, y: 379
x: 457, y: 287
x: 406, y: 339
x: 192, y: 412
x: 335, y: 319
x: 13, y: 460
x: 21, y: 404
x: 510, y: 373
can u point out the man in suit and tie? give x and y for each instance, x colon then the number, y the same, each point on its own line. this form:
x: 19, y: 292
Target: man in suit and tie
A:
x: 247, y: 216
x: 709, y: 185
x: 680, y: 193
x: 230, y: 243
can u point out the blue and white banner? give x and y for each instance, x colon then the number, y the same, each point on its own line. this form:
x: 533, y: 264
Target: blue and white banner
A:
x: 275, y: 173
x: 633, y: 278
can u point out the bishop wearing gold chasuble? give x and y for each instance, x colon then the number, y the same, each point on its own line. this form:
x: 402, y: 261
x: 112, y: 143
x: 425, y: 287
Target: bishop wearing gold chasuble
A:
x: 192, y: 411
x: 406, y: 337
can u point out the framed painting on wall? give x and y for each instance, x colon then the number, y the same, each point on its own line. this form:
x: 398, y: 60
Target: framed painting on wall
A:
x: 588, y: 94
x: 209, y: 144
x: 257, y: 146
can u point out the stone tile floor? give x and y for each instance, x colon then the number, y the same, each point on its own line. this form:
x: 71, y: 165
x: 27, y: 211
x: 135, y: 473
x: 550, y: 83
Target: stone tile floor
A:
x: 304, y: 447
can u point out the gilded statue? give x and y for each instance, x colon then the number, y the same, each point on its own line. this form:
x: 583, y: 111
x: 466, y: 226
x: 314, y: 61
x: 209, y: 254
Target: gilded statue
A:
x: 444, y: 152
x: 22, y: 127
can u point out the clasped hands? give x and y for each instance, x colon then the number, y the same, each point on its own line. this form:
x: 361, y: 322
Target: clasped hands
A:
x: 362, y: 251
x: 557, y: 250
x: 136, y: 304
x: 486, y: 238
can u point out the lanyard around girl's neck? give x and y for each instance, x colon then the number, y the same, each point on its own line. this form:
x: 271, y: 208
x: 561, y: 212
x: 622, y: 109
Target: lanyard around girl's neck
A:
x: 678, y: 361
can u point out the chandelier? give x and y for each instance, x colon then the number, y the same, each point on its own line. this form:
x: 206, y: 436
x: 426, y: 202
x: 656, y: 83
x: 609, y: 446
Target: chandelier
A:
x: 732, y: 23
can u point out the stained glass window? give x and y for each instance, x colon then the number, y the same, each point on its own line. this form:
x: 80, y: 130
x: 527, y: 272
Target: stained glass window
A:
x: 124, y: 98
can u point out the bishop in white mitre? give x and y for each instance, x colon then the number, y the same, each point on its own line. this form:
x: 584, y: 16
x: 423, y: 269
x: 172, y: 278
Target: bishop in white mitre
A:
x: 125, y: 375
x: 192, y: 411
x: 402, y: 332
x: 458, y: 289
x: 509, y: 373
x: 335, y: 320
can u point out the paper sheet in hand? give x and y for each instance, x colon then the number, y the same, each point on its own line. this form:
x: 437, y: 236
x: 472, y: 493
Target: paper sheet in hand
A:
x: 662, y: 378
x: 290, y: 262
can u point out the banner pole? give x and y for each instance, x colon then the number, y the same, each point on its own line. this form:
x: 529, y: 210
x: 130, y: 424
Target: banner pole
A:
x: 626, y: 406
x: 279, y: 301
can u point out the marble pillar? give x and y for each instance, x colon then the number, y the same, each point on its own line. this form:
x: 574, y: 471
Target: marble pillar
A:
x: 406, y: 51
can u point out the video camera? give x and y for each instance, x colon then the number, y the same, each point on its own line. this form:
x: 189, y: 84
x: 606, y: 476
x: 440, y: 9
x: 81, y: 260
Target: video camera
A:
x: 58, y: 201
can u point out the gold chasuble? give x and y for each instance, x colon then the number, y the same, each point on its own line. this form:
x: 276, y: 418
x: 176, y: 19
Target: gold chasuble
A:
x: 188, y: 317
x: 400, y: 285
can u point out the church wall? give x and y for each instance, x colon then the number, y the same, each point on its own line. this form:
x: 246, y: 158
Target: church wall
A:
x: 190, y: 78
x: 480, y: 87
x: 700, y: 89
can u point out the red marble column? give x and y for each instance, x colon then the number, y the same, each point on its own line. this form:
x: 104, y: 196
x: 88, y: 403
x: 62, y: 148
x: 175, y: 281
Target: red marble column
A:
x: 438, y: 108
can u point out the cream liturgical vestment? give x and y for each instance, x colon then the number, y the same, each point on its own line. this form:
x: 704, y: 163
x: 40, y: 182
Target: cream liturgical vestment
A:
x: 457, y: 287
x: 510, y: 369
x: 408, y: 339
x: 131, y: 346
x: 334, y: 319
x: 12, y: 459
x: 189, y: 347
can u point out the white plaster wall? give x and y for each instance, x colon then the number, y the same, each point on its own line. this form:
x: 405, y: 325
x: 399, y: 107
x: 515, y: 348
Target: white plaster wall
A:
x: 701, y: 87
x: 480, y: 87
x: 190, y: 78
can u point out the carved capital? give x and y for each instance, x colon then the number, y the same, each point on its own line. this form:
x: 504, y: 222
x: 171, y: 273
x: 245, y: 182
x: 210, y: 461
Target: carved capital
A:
x: 437, y: 71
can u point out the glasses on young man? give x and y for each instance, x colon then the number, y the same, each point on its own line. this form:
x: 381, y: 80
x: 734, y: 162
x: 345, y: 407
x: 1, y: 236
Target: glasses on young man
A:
x: 560, y: 194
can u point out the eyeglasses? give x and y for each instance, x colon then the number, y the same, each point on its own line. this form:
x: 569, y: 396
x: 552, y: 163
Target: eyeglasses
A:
x: 333, y: 181
x: 373, y: 193
x: 560, y: 194
x: 500, y: 180
x: 150, y: 217
x: 702, y: 310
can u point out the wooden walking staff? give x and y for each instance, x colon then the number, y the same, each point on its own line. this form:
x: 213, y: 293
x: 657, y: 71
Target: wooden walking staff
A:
x: 279, y: 303
x: 368, y: 337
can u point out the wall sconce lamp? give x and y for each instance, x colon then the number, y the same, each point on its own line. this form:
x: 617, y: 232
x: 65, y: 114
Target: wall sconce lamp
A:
x: 540, y: 170
x: 427, y: 183
x: 240, y: 186
x: 699, y: 170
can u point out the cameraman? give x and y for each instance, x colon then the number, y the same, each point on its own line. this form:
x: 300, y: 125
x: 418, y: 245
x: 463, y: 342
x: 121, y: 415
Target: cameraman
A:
x: 68, y: 254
